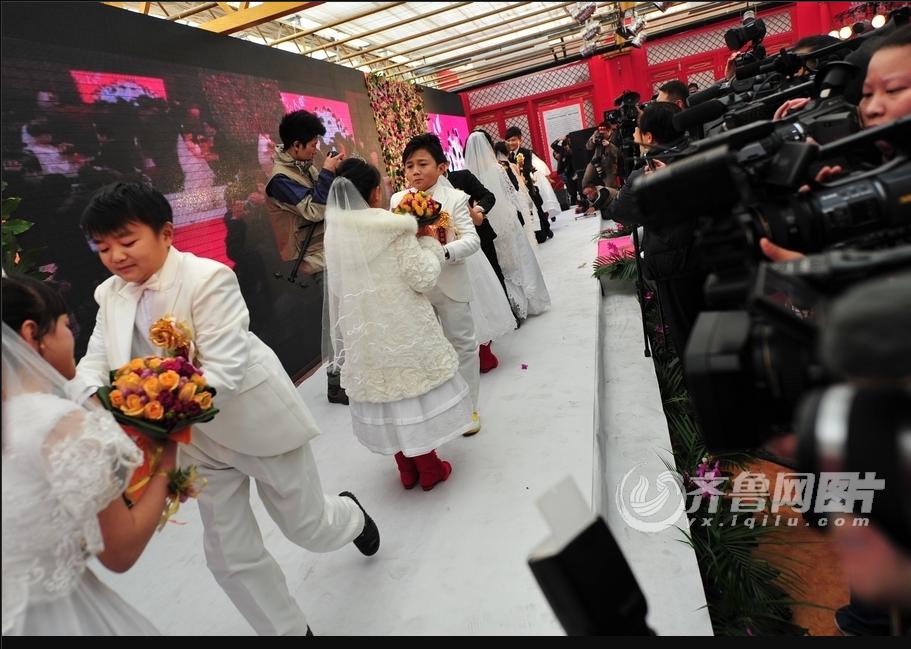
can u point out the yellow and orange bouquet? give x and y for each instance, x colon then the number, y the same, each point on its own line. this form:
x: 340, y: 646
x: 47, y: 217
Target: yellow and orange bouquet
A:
x: 426, y: 211
x: 158, y: 398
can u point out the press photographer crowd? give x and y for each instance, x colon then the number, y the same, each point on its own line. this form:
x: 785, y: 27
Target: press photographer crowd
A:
x: 772, y: 217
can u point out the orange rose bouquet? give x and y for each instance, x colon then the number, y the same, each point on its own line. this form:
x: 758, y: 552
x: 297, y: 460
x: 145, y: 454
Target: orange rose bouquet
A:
x: 426, y: 211
x: 159, y: 398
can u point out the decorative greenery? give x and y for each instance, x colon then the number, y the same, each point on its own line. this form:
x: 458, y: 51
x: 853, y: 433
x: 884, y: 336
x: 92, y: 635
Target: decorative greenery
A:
x: 615, y: 266
x: 399, y: 113
x: 746, y: 593
x: 13, y: 256
x: 614, y: 233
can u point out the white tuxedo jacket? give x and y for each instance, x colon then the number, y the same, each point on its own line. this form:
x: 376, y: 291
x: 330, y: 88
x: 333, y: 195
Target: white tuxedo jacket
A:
x: 260, y: 411
x: 453, y: 282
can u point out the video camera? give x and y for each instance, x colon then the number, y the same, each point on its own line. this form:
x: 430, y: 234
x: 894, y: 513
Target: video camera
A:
x: 747, y: 370
x: 742, y: 186
x: 752, y: 30
x: 821, y: 351
x: 626, y: 116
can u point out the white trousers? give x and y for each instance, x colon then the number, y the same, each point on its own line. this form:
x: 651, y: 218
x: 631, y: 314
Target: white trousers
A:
x: 458, y: 327
x: 289, y: 487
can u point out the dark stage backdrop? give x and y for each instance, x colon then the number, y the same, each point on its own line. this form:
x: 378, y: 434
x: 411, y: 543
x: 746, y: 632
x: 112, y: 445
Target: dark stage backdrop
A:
x: 91, y: 94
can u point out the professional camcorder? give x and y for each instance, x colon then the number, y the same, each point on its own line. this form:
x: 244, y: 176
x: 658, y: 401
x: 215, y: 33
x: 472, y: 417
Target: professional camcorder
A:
x: 742, y: 186
x: 747, y: 370
x: 626, y: 115
x: 751, y: 31
x: 823, y: 353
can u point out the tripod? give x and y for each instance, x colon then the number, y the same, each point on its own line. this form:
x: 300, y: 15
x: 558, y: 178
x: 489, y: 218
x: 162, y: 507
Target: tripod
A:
x: 292, y: 276
x: 640, y: 288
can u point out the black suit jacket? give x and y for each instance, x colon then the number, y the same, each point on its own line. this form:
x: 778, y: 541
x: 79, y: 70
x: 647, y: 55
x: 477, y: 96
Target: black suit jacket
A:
x: 467, y: 182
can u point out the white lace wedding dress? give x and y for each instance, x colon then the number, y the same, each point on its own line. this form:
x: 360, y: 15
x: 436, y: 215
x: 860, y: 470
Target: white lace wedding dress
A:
x: 62, y: 464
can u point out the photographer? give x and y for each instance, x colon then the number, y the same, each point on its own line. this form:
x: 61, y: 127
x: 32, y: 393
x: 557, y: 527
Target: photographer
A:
x: 297, y: 196
x: 886, y: 97
x: 670, y: 258
x: 563, y: 152
x: 675, y: 92
x: 602, y: 170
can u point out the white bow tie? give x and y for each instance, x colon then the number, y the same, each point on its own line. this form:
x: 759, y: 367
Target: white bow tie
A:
x: 136, y: 290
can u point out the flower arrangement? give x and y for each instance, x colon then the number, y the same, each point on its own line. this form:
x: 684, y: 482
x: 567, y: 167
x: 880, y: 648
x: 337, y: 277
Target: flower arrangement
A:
x: 158, y: 398
x: 427, y: 212
x: 398, y: 110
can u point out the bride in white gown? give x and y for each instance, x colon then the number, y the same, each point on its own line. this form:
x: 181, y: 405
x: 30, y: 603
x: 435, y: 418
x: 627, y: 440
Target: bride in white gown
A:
x: 65, y: 467
x: 524, y: 280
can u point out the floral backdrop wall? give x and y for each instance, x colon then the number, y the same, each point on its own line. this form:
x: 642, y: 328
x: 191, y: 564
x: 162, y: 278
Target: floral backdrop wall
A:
x: 399, y: 112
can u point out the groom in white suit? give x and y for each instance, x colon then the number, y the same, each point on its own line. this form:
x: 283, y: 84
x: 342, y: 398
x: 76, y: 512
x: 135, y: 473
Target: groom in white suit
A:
x: 425, y: 165
x: 263, y: 428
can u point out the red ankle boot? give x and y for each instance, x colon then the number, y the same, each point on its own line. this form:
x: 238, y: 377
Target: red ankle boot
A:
x: 488, y: 360
x: 432, y: 470
x: 408, y: 470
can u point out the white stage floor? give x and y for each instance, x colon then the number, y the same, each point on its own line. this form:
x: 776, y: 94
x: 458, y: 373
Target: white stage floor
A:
x: 452, y: 560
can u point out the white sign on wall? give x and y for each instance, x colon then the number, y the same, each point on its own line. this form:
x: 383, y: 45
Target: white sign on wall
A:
x: 558, y: 123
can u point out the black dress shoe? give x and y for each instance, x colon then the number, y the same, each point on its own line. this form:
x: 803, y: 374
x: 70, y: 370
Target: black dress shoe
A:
x: 336, y: 394
x: 550, y: 234
x: 369, y: 540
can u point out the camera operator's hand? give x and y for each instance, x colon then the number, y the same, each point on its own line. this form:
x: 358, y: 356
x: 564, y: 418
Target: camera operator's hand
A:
x: 777, y: 253
x: 332, y: 162
x: 657, y: 164
x: 730, y: 69
x: 877, y: 568
x: 790, y: 106
x: 826, y: 173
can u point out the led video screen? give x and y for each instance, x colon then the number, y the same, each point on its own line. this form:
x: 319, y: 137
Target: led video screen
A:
x: 76, y: 118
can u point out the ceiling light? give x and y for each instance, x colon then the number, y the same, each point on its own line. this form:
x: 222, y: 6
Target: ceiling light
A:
x: 834, y: 33
x: 878, y: 21
x: 592, y: 32
x: 845, y: 32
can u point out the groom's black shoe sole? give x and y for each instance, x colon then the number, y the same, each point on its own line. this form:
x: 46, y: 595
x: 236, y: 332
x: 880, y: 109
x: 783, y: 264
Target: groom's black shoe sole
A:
x: 369, y: 540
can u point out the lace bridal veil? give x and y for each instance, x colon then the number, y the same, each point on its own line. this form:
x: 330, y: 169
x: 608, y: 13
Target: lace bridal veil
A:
x: 62, y: 464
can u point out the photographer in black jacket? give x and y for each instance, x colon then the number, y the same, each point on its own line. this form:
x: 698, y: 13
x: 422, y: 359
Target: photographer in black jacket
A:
x: 670, y: 257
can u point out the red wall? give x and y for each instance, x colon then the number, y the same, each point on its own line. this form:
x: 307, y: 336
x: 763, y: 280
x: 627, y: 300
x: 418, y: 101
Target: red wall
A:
x: 631, y: 71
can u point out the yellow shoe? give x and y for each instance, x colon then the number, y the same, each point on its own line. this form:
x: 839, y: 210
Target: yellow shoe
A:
x: 476, y: 420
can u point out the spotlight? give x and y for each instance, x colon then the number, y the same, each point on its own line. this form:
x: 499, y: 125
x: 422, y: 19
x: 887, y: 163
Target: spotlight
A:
x: 592, y: 31
x: 878, y: 21
x: 588, y: 49
x: 845, y: 32
x: 638, y: 40
x: 834, y: 33
x: 582, y: 11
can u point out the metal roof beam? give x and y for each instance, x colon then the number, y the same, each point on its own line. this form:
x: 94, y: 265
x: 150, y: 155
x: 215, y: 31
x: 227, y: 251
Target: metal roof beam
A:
x: 253, y: 16
x: 475, y: 42
x: 363, y: 14
x: 392, y: 26
x: 434, y: 30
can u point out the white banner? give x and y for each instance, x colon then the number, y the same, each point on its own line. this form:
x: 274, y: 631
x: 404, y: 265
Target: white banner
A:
x: 558, y: 123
